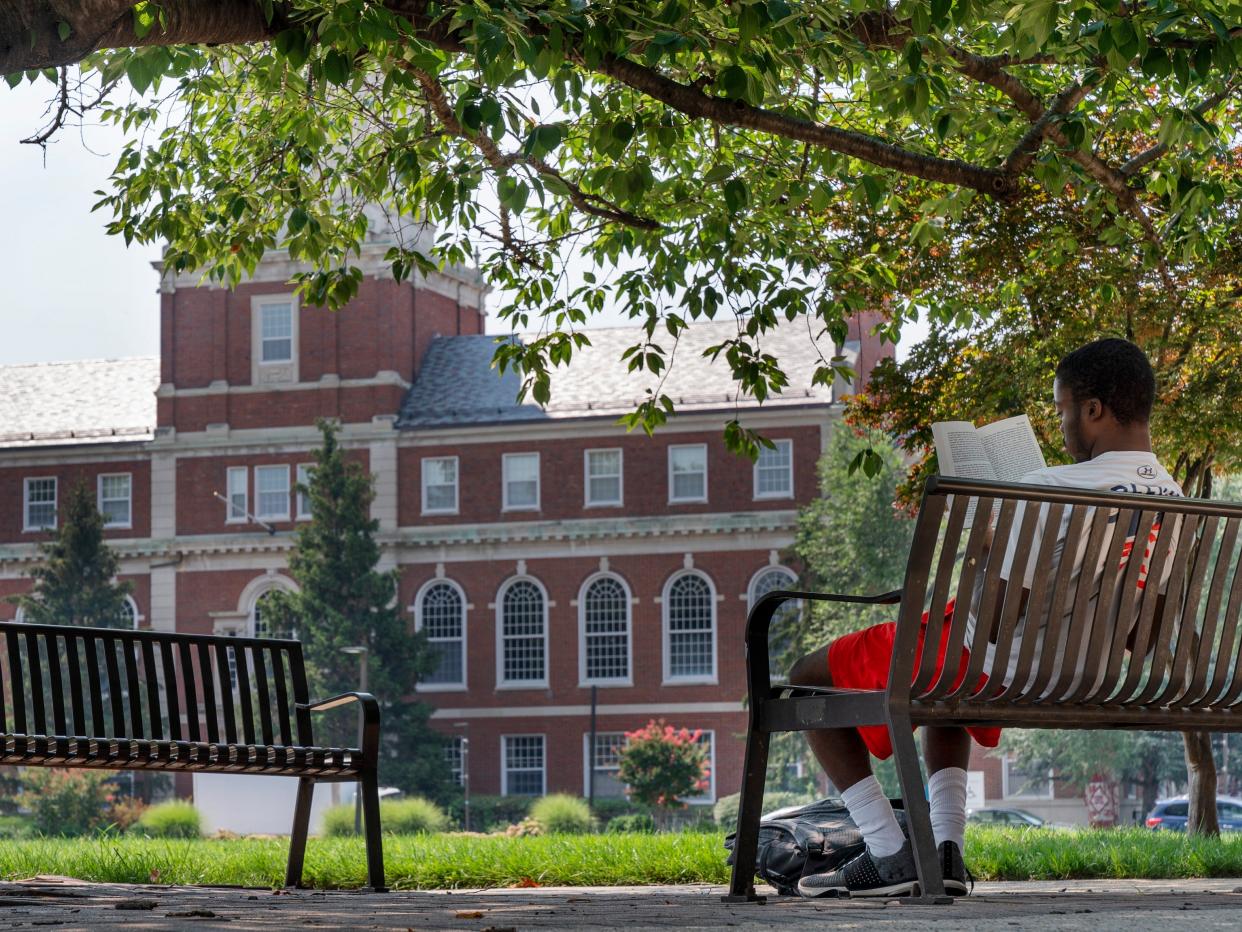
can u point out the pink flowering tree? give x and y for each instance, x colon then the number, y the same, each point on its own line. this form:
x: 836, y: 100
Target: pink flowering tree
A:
x: 661, y: 764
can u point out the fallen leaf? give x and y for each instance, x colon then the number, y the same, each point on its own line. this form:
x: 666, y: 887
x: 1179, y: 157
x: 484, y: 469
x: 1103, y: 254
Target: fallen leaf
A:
x: 527, y: 882
x: 155, y: 875
x: 468, y: 914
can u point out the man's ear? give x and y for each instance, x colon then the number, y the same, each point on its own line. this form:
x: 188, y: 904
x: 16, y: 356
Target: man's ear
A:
x: 1093, y: 409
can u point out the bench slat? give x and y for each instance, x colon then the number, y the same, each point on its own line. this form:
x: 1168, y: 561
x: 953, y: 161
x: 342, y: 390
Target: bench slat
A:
x: 1212, y: 627
x: 226, y: 693
x: 172, y: 703
x: 190, y: 691
x: 17, y: 678
x: 243, y: 692
x: 282, y: 695
x: 263, y: 695
x: 115, y: 688
x: 934, y: 631
x: 78, y: 707
x: 34, y: 669
x: 209, y: 692
x: 54, y: 684
x: 972, y: 559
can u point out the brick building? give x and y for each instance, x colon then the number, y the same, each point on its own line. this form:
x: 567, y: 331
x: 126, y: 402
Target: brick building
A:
x: 544, y: 550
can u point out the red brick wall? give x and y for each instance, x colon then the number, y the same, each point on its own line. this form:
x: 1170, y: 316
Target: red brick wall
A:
x: 352, y: 404
x: 199, y: 512
x: 199, y: 593
x: 730, y: 478
x: 140, y: 592
x: 68, y: 475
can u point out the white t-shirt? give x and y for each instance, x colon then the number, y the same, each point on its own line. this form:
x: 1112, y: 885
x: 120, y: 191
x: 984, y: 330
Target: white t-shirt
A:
x: 1117, y: 471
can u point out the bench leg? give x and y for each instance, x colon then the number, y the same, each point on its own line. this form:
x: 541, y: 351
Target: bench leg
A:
x: 369, y: 787
x: 750, y: 807
x: 918, y: 816
x: 297, y: 838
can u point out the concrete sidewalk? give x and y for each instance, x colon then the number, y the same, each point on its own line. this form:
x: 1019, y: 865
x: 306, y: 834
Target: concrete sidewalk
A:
x: 1097, y: 905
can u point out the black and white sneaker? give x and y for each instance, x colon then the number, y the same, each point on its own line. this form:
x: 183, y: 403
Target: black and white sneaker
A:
x: 866, y: 875
x: 954, y: 871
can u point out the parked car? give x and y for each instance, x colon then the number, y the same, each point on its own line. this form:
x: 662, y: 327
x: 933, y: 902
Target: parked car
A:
x: 1012, y: 818
x: 1171, y: 815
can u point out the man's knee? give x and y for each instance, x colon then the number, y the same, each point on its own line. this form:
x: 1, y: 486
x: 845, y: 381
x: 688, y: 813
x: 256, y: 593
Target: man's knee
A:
x: 811, y: 669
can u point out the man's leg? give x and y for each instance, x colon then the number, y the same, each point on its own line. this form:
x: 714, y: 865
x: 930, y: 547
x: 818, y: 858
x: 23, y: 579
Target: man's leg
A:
x: 947, y: 752
x: 846, y: 760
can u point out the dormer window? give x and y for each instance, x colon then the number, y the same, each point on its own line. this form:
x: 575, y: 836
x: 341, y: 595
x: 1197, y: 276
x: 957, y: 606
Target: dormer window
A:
x: 274, y: 338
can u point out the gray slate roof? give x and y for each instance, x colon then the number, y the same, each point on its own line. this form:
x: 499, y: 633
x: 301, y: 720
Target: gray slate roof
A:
x: 86, y: 401
x: 456, y: 384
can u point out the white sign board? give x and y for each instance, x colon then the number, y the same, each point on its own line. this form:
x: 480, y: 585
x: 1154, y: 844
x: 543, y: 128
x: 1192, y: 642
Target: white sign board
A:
x: 974, y: 789
x: 254, y: 805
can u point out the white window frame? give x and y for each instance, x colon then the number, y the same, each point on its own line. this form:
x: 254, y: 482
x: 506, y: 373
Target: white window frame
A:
x: 583, y: 679
x: 133, y: 607
x: 708, y: 798
x: 417, y: 610
x: 455, y: 754
x: 422, y: 468
x: 761, y: 496
x: 504, y: 481
x: 672, y: 500
x: 129, y: 499
x: 1006, y: 780
x: 587, y: 501
x: 666, y: 639
x: 302, y: 505
x: 588, y: 757
x: 501, y: 682
x: 504, y: 763
x: 258, y: 493
x: 26, y: 525
x: 234, y: 472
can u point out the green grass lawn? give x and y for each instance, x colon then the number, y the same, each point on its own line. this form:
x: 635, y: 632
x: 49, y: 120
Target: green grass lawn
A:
x: 439, y: 861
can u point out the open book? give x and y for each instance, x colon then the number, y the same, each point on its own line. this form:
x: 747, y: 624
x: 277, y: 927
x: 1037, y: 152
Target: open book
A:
x: 1004, y: 450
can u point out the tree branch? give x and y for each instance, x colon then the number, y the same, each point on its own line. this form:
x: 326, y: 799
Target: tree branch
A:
x: 1147, y: 156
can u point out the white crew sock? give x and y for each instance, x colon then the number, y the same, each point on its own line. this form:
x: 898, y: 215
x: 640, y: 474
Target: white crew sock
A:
x: 947, y: 792
x: 873, y: 814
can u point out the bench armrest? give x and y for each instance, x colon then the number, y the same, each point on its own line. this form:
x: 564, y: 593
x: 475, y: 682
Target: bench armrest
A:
x: 370, y: 719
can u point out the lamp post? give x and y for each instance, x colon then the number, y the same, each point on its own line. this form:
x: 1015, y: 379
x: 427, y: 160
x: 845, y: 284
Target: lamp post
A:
x: 465, y: 774
x: 362, y: 654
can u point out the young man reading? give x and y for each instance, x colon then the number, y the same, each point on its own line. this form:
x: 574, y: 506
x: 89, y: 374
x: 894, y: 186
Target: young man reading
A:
x: 1103, y: 393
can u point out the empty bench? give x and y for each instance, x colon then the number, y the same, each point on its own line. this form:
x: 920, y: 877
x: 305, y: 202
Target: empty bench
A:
x: 109, y: 699
x: 1145, y: 637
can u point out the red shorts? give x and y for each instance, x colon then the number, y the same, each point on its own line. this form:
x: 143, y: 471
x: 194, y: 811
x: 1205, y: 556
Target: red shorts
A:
x: 861, y: 661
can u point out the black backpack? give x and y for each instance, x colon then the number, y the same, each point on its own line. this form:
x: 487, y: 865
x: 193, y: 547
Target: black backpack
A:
x: 813, y: 839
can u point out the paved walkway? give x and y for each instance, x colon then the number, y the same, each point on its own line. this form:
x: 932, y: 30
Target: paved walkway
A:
x: 1096, y: 905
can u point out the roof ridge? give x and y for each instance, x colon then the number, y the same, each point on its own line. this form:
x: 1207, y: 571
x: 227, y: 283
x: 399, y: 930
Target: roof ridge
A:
x: 48, y: 363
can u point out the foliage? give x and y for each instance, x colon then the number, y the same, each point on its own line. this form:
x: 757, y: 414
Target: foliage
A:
x: 75, y: 583
x: 489, y: 813
x: 344, y: 601
x: 630, y: 824
x: 606, y: 809
x: 527, y: 828
x: 660, y: 764
x: 692, y: 156
x: 561, y: 813
x: 125, y: 812
x: 338, y: 821
x: 726, y: 809
x: 412, y: 816
x: 66, y: 801
x: 173, y: 819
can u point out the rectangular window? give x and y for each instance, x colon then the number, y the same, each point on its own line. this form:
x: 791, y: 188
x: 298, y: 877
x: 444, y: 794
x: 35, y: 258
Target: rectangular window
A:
x: 276, y: 332
x: 453, y: 756
x: 271, y: 492
x: 603, y: 477
x: 687, y: 473
x: 39, y: 504
x: 606, y: 761
x: 304, y: 505
x: 239, y: 498
x: 707, y: 739
x: 115, y: 495
x: 523, y: 762
x: 440, y: 485
x: 774, y: 471
x: 1025, y: 783
x: 521, y: 478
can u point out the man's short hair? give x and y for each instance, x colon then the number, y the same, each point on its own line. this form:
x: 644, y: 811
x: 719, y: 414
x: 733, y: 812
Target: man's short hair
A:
x: 1114, y: 371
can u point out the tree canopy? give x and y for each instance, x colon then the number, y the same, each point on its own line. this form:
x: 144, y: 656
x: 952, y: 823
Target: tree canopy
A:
x: 692, y: 155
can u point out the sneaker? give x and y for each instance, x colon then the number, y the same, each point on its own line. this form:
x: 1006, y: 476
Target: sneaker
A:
x: 954, y: 871
x: 866, y: 875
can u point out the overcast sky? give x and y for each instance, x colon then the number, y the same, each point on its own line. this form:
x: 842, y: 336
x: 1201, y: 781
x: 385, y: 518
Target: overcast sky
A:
x: 72, y: 291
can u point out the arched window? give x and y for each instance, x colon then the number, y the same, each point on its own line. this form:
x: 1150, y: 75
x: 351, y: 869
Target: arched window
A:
x: 440, y: 613
x: 780, y: 634
x: 127, y: 615
x: 604, y: 619
x: 259, y: 626
x: 689, y: 629
x: 522, y: 631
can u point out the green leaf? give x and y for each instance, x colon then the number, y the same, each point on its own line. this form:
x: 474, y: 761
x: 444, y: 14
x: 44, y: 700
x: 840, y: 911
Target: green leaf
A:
x: 64, y: 30
x: 736, y: 195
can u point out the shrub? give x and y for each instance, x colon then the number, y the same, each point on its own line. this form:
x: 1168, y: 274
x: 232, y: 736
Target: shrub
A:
x: 638, y: 822
x: 608, y: 809
x: 413, y: 816
x: 65, y: 801
x: 175, y: 819
x: 490, y: 813
x: 562, y: 814
x: 338, y: 821
x: 126, y: 812
x: 527, y: 827
x: 725, y: 810
x: 660, y: 764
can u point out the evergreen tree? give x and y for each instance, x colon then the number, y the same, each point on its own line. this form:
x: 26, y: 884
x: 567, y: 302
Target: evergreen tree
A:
x: 345, y: 601
x: 76, y: 582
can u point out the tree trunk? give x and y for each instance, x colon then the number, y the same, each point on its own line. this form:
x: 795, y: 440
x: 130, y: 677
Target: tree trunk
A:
x: 1150, y: 788
x: 1201, y: 771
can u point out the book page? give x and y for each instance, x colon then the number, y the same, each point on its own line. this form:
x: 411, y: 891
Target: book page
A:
x: 960, y: 451
x: 1012, y: 448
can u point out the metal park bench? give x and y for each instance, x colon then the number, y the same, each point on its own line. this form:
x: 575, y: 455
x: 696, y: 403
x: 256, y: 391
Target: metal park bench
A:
x: 1171, y: 665
x: 102, y: 698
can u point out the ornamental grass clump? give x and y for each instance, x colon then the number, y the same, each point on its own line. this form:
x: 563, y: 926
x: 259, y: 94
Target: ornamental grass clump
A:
x: 562, y: 814
x: 413, y: 816
x: 175, y: 819
x: 660, y: 765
